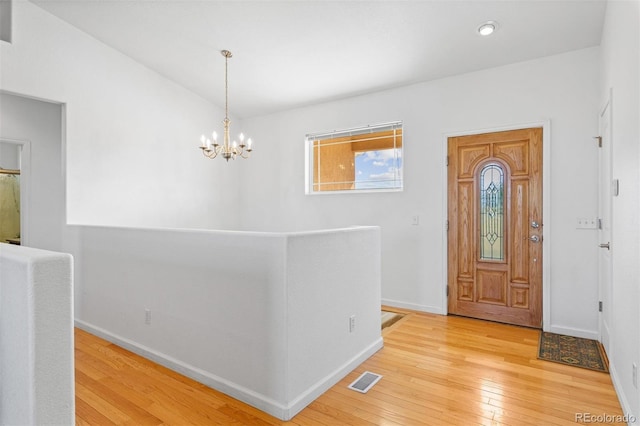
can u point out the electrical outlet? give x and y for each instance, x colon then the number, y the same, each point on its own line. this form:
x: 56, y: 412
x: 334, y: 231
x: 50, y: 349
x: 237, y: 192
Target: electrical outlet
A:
x: 147, y: 316
x: 352, y: 323
x: 634, y: 373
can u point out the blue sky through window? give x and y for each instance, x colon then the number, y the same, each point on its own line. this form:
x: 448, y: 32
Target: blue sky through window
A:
x: 379, y: 169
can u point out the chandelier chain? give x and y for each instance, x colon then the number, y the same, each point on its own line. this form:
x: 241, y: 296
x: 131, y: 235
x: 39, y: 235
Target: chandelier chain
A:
x: 226, y: 86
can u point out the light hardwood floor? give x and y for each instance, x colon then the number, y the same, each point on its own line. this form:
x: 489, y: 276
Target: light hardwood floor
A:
x: 437, y: 370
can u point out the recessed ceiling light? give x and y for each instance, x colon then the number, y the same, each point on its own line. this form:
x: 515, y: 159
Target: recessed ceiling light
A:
x: 487, y: 28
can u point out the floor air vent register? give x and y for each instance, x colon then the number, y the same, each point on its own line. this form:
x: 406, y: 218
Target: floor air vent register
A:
x: 365, y: 382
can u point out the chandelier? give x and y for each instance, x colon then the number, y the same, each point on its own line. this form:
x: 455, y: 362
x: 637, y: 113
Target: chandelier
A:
x: 228, y: 150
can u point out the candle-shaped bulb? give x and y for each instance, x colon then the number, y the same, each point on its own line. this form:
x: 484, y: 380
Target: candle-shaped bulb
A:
x: 241, y: 137
x: 203, y: 140
x: 215, y: 136
x: 249, y: 143
x: 208, y: 143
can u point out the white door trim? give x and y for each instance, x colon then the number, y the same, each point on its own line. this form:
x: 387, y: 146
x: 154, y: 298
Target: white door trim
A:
x: 546, y: 209
x: 604, y: 334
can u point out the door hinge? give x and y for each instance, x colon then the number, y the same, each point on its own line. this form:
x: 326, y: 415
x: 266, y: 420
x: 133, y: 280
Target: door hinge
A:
x: 599, y: 223
x: 599, y: 139
x: 446, y: 160
x: 446, y: 225
x: 447, y: 291
x: 615, y: 187
x: 600, y: 306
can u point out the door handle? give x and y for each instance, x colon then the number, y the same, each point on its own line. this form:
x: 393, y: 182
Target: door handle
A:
x: 605, y: 245
x: 534, y: 239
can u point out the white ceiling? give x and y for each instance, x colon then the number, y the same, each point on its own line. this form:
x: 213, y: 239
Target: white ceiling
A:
x: 294, y: 53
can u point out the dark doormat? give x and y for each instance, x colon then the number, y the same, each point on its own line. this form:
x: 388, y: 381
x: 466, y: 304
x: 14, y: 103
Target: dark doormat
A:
x: 576, y: 351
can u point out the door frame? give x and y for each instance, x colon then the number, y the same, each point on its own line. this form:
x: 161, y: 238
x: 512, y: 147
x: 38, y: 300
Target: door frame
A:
x: 606, y: 109
x: 25, y: 185
x: 546, y: 209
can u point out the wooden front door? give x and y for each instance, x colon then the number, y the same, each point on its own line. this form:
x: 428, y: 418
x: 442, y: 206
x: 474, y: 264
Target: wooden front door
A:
x: 495, y: 226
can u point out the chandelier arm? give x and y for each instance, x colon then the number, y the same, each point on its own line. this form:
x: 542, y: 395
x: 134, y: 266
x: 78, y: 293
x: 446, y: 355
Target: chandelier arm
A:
x: 210, y: 154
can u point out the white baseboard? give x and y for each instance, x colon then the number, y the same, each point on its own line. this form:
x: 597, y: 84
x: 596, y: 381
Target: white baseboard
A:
x: 569, y: 331
x: 622, y: 398
x: 575, y: 332
x: 327, y: 382
x: 257, y: 400
x: 229, y: 388
x: 414, y: 306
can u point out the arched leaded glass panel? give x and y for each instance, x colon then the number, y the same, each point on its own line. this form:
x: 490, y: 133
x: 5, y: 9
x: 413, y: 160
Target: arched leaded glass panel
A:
x: 492, y: 218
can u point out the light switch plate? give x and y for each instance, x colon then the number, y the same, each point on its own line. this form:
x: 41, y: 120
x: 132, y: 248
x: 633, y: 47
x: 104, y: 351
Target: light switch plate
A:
x: 587, y: 223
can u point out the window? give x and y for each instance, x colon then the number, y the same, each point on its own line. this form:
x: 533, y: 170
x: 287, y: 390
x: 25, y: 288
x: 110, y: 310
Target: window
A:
x: 368, y: 158
x: 492, y: 212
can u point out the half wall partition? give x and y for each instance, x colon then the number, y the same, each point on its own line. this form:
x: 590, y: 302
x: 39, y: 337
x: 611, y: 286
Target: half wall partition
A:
x: 263, y: 317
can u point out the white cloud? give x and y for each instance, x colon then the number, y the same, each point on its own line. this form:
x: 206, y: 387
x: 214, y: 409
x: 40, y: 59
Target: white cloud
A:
x: 385, y: 176
x: 383, y: 155
x: 392, y: 173
x: 379, y: 163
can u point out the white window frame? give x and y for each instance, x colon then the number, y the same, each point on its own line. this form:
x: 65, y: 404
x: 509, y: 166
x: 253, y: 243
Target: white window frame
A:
x: 309, y: 155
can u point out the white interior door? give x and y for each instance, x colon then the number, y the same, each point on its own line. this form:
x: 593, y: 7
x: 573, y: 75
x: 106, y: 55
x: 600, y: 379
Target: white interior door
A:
x: 605, y: 193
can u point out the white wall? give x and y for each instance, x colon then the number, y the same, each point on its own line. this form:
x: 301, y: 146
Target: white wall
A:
x: 254, y: 315
x: 331, y: 276
x: 562, y: 89
x: 131, y: 134
x: 620, y: 67
x: 128, y: 128
x: 9, y: 153
x: 132, y: 160
x: 39, y: 124
x: 36, y: 331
